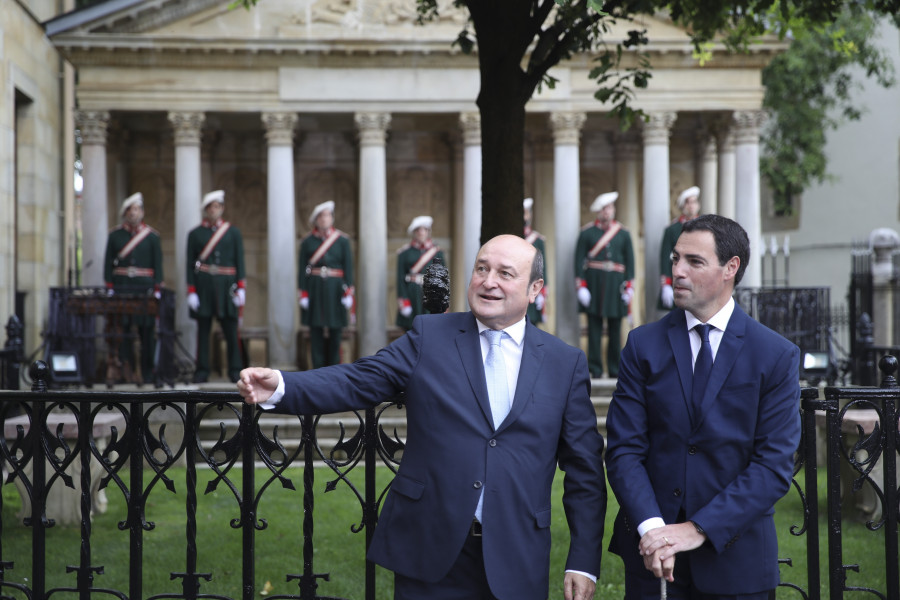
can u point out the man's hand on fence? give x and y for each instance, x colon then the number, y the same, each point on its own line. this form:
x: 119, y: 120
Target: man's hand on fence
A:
x: 257, y: 384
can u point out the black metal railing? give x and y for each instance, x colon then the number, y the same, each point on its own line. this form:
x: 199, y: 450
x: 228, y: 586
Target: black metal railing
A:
x: 128, y: 443
x: 124, y: 443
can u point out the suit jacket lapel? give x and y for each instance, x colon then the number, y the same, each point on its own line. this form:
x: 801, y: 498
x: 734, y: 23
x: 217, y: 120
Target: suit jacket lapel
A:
x: 729, y: 349
x: 532, y: 357
x: 469, y: 346
x: 681, y: 349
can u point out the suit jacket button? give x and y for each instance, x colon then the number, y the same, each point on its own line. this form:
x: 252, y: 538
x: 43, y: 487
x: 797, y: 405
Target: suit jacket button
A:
x: 492, y: 443
x: 677, y: 492
x: 692, y: 450
x: 477, y: 485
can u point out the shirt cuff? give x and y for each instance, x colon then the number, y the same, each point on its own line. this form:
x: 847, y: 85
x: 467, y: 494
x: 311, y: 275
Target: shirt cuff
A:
x: 588, y: 575
x: 276, y: 396
x: 651, y: 523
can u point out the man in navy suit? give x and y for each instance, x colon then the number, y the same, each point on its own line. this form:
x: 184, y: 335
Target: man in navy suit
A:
x: 468, y: 514
x: 697, y: 478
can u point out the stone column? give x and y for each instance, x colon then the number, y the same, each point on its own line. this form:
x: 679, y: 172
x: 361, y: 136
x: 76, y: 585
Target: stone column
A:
x: 628, y: 182
x: 470, y: 123
x: 282, y: 239
x: 709, y: 175
x: 187, y: 127
x: 95, y: 198
x: 566, y: 128
x: 656, y: 134
x: 371, y: 282
x: 747, y: 201
x: 726, y: 168
x: 884, y: 242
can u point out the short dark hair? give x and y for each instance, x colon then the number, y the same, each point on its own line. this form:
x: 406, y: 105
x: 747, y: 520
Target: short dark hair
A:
x: 537, y: 266
x: 730, y: 239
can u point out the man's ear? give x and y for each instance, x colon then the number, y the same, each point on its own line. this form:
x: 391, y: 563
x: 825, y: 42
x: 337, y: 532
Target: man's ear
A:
x: 731, y: 268
x: 534, y: 289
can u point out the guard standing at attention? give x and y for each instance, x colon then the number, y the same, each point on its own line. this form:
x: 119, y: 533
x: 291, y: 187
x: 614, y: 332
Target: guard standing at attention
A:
x: 216, y: 283
x: 325, y: 285
x: 133, y: 265
x: 604, y: 275
x: 412, y: 260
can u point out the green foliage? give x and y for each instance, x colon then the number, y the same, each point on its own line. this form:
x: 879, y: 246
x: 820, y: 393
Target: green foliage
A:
x: 809, y: 91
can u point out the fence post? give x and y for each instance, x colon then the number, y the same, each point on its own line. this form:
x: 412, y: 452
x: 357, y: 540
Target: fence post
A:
x: 888, y: 366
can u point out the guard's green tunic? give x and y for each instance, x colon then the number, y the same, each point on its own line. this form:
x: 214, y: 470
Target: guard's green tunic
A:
x: 215, y: 281
x: 605, y: 275
x: 670, y: 236
x: 139, y: 272
x: 325, y: 283
x: 534, y: 315
x: 409, y: 284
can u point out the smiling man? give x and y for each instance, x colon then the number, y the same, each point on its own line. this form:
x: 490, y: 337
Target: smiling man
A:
x: 493, y: 405
x: 702, y: 430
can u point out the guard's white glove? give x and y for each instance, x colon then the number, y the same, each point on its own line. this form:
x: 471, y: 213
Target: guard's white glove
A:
x: 240, y: 297
x: 627, y: 295
x: 303, y: 299
x: 667, y: 296
x: 157, y: 294
x: 194, y: 301
x: 539, y: 302
x: 110, y: 292
x: 347, y: 301
x: 405, y: 307
x: 584, y: 296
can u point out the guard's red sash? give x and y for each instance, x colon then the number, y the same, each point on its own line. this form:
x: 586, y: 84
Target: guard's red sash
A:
x: 606, y: 239
x: 134, y: 241
x: 322, y: 249
x: 423, y: 260
x: 532, y: 237
x: 213, y: 241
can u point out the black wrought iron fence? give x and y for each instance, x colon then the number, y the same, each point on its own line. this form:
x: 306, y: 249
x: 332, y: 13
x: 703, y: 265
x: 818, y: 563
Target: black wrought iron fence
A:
x: 126, y: 443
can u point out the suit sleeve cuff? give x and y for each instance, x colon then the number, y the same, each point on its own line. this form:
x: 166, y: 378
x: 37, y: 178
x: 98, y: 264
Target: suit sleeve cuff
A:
x: 651, y: 523
x: 276, y: 396
x: 588, y: 575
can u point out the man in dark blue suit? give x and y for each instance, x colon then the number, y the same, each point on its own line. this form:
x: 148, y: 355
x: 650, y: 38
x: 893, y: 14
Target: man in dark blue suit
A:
x: 468, y: 514
x: 697, y: 475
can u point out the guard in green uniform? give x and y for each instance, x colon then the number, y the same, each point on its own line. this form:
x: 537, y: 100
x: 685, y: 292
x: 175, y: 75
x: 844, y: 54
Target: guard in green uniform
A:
x: 536, y: 309
x: 325, y: 285
x: 689, y: 205
x: 216, y: 283
x: 133, y: 265
x: 604, y: 275
x: 412, y: 260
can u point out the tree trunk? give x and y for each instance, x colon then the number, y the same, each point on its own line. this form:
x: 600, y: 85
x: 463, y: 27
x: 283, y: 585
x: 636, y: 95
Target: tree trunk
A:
x: 503, y: 33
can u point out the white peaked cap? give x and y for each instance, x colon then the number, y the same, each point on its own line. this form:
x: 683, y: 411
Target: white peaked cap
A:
x: 420, y: 221
x: 688, y: 193
x: 329, y: 206
x: 527, y: 203
x: 131, y: 201
x: 216, y: 196
x: 604, y: 199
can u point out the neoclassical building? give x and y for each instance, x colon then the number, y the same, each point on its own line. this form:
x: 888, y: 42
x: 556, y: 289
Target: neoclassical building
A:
x: 295, y: 102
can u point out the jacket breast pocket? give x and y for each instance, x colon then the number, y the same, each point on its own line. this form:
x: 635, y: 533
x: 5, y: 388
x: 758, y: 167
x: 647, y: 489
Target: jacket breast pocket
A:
x: 410, y: 488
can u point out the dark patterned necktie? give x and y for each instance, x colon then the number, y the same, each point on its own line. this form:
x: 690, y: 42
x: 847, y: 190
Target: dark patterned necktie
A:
x: 702, y: 367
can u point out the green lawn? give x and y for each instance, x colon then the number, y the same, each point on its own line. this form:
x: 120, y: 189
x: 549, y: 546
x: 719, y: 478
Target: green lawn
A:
x: 338, y: 552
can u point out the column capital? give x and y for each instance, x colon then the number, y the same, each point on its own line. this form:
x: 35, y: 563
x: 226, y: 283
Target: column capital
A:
x: 706, y: 143
x: 279, y: 127
x: 372, y: 127
x: 470, y: 123
x: 724, y: 132
x: 567, y: 127
x: 658, y: 127
x: 93, y: 125
x: 187, y: 126
x: 747, y: 124
x: 627, y: 146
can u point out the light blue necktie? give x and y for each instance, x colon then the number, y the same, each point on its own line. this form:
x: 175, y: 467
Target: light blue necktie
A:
x: 498, y: 389
x: 495, y: 375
